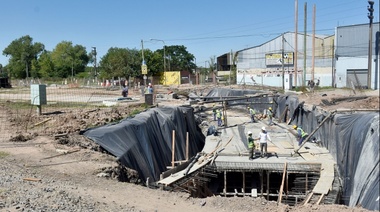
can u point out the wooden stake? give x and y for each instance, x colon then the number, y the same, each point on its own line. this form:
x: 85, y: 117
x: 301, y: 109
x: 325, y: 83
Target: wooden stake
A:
x: 187, y: 146
x: 32, y: 179
x: 320, y: 199
x: 282, y: 183
x: 39, y: 123
x: 308, y: 198
x: 173, y: 148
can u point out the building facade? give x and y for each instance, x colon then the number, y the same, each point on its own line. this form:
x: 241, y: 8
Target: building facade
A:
x: 351, y: 56
x: 339, y: 60
x: 273, y: 63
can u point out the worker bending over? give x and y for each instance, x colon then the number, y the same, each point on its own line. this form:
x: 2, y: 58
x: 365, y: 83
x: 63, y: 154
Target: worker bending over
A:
x: 301, y: 135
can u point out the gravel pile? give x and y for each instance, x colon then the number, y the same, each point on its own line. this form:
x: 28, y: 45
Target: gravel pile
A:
x: 20, y: 191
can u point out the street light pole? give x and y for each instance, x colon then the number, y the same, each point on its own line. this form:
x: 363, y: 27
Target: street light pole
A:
x: 164, y: 57
x: 370, y: 17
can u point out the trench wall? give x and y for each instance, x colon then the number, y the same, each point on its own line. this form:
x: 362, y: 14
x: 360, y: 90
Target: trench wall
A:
x: 353, y: 141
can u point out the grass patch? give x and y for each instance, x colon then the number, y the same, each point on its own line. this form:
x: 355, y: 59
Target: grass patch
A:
x: 134, y: 112
x: 3, y: 154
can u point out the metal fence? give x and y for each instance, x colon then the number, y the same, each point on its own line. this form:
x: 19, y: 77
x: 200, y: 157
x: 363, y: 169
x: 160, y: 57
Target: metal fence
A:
x: 66, y: 101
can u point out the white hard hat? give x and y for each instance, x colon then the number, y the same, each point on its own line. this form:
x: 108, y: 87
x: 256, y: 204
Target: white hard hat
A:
x: 249, y: 133
x: 263, y: 128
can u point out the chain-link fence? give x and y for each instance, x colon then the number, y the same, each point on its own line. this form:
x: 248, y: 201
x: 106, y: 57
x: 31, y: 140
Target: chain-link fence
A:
x: 71, y: 106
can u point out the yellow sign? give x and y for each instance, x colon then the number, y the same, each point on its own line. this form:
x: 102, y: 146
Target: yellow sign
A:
x: 144, y: 69
x: 171, y: 78
x: 276, y: 59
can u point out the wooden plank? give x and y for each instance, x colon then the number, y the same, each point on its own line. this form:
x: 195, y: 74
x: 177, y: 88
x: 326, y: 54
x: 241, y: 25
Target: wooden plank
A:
x: 308, y: 198
x: 320, y: 199
x: 282, y: 183
x: 65, y: 153
x: 181, y: 174
x: 31, y: 179
x: 326, y: 179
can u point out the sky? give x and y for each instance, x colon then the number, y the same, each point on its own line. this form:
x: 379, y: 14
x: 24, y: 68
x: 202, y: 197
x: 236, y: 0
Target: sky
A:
x: 207, y: 28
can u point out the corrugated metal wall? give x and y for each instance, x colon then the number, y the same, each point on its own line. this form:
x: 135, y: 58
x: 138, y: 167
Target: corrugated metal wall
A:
x: 352, y: 41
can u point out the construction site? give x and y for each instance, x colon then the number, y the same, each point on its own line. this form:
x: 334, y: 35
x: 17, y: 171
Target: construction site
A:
x: 176, y: 146
x: 218, y: 165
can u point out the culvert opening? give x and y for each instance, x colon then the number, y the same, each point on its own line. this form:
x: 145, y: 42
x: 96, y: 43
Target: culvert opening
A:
x: 259, y: 180
x: 254, y: 183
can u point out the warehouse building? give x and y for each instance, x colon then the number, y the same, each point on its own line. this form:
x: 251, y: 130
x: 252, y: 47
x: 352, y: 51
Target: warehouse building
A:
x: 351, y: 56
x: 339, y: 60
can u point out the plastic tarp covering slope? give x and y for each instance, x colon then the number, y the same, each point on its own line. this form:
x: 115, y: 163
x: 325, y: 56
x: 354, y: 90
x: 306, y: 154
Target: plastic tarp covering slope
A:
x: 353, y: 140
x: 144, y: 143
x: 283, y: 101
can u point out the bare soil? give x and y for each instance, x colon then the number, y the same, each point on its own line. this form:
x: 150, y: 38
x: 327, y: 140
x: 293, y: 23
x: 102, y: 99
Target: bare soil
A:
x: 50, y: 167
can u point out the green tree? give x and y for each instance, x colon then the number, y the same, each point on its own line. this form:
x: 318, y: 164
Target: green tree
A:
x: 22, y: 53
x: 179, y: 59
x: 120, y: 62
x: 69, y: 60
x: 45, y: 66
x: 154, y: 61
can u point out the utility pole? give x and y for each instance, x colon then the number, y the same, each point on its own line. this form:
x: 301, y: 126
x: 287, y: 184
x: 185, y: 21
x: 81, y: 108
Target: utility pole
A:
x: 313, y: 43
x: 196, y: 73
x: 304, y: 45
x: 144, y: 68
x: 282, y: 61
x: 296, y: 44
x: 94, y: 53
x: 231, y: 63
x: 370, y: 16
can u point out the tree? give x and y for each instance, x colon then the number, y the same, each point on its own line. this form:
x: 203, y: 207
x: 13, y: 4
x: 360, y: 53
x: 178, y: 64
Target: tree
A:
x: 69, y: 60
x: 179, y: 59
x: 154, y: 61
x: 120, y: 62
x: 45, y: 66
x: 22, y: 52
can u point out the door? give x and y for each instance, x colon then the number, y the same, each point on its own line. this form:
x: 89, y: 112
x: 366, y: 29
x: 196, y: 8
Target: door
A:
x: 357, y: 77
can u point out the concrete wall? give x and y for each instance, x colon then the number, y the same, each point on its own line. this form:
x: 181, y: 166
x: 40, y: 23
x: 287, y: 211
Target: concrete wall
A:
x: 348, y: 63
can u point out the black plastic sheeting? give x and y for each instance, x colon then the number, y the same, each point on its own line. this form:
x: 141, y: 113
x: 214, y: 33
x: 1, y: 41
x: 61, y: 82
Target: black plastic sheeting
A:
x: 144, y: 143
x: 353, y: 141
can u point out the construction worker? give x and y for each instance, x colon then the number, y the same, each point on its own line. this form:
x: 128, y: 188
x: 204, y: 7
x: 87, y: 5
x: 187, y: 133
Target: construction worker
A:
x: 214, y: 111
x: 251, y: 145
x: 264, y: 138
x: 301, y: 135
x: 219, y: 117
x: 252, y: 113
x: 270, y: 116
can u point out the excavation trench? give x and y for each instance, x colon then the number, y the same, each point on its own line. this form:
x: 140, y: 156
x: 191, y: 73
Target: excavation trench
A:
x: 162, y: 144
